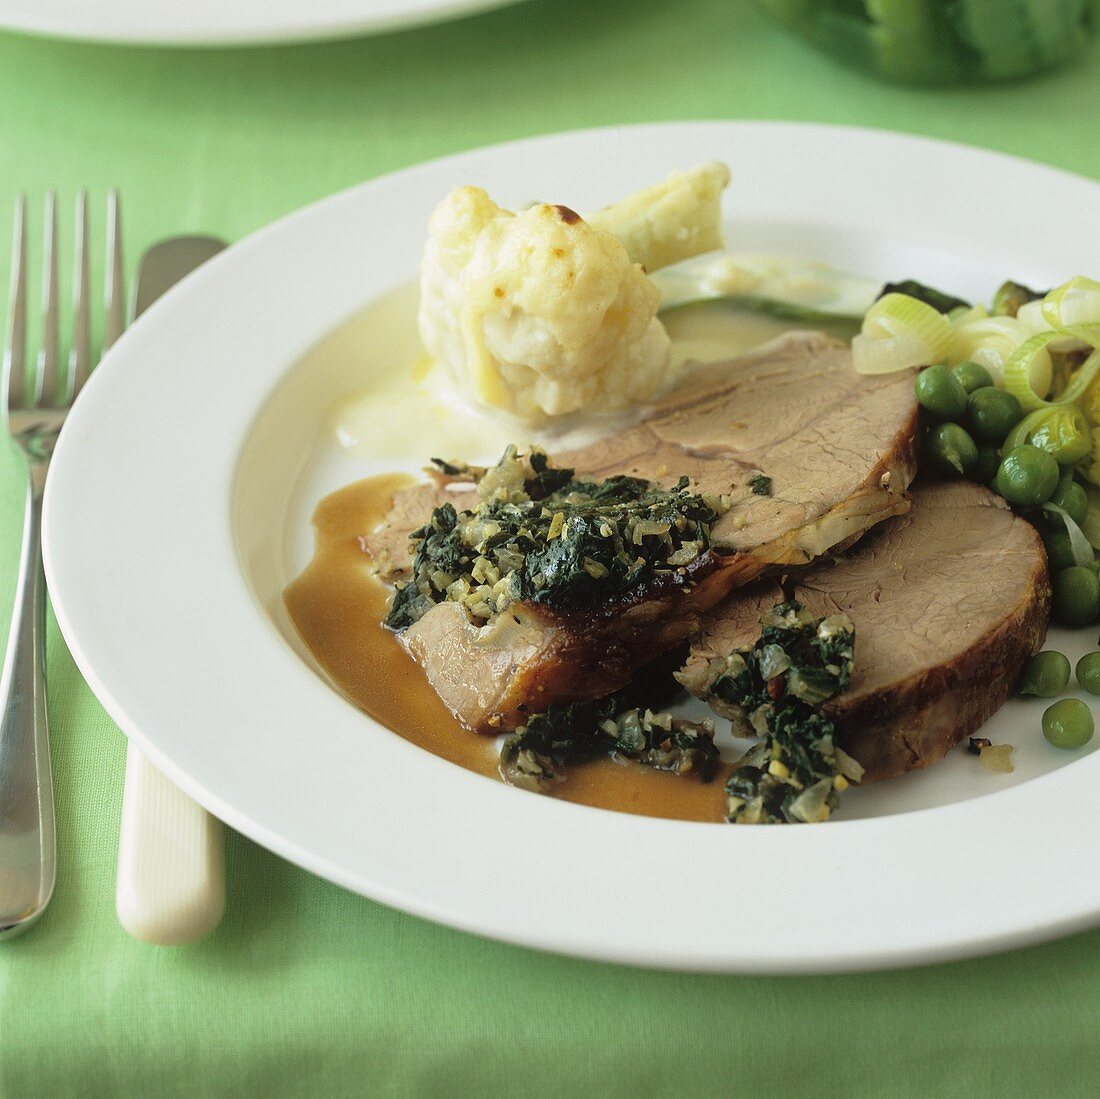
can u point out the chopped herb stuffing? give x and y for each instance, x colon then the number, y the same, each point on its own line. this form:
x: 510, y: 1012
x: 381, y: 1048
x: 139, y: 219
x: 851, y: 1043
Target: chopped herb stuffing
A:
x: 761, y: 485
x: 538, y: 755
x: 539, y: 535
x: 775, y: 690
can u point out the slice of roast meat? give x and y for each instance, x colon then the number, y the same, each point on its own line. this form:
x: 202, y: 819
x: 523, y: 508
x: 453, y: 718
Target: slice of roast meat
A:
x: 949, y: 601
x: 838, y: 448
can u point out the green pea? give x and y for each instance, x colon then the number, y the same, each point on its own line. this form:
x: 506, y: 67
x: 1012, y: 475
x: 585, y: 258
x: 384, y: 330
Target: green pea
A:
x: 972, y: 375
x: 1088, y: 673
x: 992, y: 413
x: 1059, y: 550
x: 1046, y: 675
x: 1027, y: 476
x: 1062, y: 431
x: 1070, y: 496
x: 950, y: 451
x: 1068, y: 723
x: 940, y: 392
x: 1076, y: 596
x: 985, y: 468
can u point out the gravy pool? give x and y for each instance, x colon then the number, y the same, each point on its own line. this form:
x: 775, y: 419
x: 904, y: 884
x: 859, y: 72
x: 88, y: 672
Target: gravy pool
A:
x: 338, y: 605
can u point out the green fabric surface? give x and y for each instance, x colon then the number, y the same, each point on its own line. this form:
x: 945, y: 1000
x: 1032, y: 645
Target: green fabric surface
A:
x: 306, y: 989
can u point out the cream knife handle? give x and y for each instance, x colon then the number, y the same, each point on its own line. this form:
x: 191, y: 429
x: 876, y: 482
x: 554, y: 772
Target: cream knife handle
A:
x: 171, y: 860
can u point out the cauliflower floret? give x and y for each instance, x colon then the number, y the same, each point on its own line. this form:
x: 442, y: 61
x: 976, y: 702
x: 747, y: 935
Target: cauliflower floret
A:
x: 539, y: 312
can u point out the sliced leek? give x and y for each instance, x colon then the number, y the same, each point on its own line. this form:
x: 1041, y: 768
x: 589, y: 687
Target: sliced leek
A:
x: 781, y: 285
x: 1090, y: 525
x: 1031, y: 317
x: 900, y: 331
x: 1089, y: 467
x: 1077, y: 302
x: 1059, y: 429
x: 1080, y: 545
x: 991, y: 341
x: 1018, y: 369
x: 960, y: 317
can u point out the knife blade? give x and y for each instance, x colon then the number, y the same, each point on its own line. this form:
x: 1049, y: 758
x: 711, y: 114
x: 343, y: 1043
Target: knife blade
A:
x: 170, y: 886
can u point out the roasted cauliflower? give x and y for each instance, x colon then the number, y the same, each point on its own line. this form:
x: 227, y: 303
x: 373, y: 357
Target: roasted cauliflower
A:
x: 541, y: 313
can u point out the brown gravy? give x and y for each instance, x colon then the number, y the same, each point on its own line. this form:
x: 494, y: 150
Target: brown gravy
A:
x: 337, y: 605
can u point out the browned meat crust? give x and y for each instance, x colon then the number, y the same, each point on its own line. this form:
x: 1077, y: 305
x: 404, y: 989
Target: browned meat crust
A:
x: 840, y: 452
x: 949, y: 602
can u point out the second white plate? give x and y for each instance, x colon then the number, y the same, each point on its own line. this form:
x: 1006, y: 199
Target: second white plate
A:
x: 226, y: 22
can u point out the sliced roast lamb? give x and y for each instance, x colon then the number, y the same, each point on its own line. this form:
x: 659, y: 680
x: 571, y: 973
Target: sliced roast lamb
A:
x: 949, y: 601
x: 811, y: 455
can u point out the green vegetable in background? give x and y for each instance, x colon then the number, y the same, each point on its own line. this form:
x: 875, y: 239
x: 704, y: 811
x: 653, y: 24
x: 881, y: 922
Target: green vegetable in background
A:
x: 1068, y: 723
x: 1027, y: 476
x: 992, y: 413
x: 972, y: 375
x: 1046, y: 675
x: 942, y: 41
x: 940, y: 393
x: 1088, y: 673
x: 950, y: 451
x: 1076, y: 596
x: 1020, y: 37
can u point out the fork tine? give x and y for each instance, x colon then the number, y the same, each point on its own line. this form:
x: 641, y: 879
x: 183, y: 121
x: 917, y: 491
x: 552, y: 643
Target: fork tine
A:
x: 80, y: 353
x: 46, y: 382
x: 13, y: 381
x: 115, y: 292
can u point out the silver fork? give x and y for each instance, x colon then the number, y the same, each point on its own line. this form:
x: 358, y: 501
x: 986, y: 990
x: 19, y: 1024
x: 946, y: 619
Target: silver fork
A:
x: 36, y: 407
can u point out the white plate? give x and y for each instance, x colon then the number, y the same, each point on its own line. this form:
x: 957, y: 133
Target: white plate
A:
x: 226, y: 22
x: 178, y: 508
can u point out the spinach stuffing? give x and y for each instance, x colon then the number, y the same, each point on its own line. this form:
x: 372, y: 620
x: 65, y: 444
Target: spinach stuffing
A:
x: 538, y: 534
x: 775, y: 691
x: 538, y: 754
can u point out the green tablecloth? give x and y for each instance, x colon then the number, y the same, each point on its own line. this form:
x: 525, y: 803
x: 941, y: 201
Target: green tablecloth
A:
x: 306, y: 989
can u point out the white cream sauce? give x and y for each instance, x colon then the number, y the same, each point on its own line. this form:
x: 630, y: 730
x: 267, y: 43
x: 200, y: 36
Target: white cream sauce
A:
x: 409, y: 410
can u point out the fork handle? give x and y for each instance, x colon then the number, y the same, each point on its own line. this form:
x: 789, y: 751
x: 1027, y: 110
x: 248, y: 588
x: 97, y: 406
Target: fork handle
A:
x: 28, y: 838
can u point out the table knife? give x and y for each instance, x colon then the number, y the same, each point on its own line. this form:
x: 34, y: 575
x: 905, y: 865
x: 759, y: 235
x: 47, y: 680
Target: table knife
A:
x: 171, y: 852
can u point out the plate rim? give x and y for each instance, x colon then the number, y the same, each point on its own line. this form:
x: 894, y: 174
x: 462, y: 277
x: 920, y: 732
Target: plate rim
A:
x: 1050, y: 926
x: 234, y: 30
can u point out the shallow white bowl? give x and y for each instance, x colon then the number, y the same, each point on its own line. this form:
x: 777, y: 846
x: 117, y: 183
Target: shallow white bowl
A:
x: 178, y: 508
